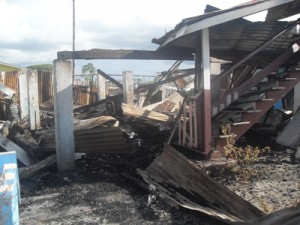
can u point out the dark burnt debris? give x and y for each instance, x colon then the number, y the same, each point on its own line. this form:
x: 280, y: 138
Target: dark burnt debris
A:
x: 147, y: 160
x: 132, y: 167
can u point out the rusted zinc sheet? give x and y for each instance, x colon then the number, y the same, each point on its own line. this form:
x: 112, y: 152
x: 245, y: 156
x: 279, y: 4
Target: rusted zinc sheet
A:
x: 185, y: 184
x: 172, y: 104
x: 164, y: 107
x: 11, y: 80
x: 96, y: 140
x: 45, y: 86
x: 84, y: 95
x: 290, y: 136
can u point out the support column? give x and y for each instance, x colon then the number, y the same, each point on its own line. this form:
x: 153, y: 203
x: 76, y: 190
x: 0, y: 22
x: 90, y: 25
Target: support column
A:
x: 202, y: 85
x: 23, y: 88
x: 101, y: 87
x: 128, y: 89
x: 2, y: 78
x: 63, y: 108
x: 296, y: 97
x: 33, y: 99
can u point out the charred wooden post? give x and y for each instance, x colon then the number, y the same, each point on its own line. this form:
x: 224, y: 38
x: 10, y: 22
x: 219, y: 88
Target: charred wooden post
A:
x: 33, y: 100
x: 128, y: 88
x: 63, y: 108
x: 297, y: 94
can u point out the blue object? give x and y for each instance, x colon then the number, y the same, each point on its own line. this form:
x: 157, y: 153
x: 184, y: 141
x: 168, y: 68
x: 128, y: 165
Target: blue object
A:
x: 279, y: 105
x: 9, y: 189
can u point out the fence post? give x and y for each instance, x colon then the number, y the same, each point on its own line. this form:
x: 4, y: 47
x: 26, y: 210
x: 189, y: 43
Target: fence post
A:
x: 101, y: 87
x: 63, y: 108
x: 33, y: 99
x: 128, y: 88
x: 23, y: 88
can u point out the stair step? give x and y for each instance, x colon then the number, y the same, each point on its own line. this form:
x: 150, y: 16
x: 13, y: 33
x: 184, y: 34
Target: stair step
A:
x: 254, y: 99
x: 240, y: 123
x: 241, y: 111
x: 267, y: 99
x: 232, y: 123
x: 225, y: 136
x: 261, y: 91
x: 287, y: 79
x: 241, y: 106
x: 278, y: 88
x: 251, y: 98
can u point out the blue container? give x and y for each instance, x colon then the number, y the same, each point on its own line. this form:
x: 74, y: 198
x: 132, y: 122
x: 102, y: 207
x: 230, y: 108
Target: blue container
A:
x: 9, y: 189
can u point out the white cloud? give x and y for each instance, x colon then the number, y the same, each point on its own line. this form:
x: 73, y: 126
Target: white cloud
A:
x: 33, y: 31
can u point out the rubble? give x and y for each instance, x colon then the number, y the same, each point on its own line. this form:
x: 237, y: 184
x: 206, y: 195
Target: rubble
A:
x: 22, y: 155
x: 181, y: 182
x: 131, y: 171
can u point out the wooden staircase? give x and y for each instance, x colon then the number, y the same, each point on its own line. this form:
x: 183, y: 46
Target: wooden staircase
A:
x: 247, y: 110
x: 249, y: 96
x: 240, y: 100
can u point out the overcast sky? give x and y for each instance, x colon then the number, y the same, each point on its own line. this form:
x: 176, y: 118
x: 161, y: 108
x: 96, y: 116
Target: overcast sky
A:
x: 33, y: 31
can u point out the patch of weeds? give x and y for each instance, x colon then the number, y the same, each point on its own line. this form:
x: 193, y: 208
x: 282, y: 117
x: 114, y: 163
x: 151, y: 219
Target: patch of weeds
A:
x: 243, y: 156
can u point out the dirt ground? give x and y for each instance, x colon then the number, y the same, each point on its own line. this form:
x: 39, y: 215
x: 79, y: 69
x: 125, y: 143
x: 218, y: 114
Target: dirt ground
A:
x: 96, y: 194
x: 99, y: 193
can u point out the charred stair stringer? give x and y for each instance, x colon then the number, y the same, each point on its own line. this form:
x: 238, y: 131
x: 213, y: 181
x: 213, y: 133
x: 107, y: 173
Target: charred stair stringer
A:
x: 248, y: 119
x: 261, y: 108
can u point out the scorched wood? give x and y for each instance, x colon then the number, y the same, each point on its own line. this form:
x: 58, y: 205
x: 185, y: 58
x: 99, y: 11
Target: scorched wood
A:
x: 188, y: 186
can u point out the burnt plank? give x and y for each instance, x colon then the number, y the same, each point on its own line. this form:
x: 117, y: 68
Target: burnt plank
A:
x: 123, y: 54
x: 287, y: 216
x: 189, y: 186
x: 22, y: 155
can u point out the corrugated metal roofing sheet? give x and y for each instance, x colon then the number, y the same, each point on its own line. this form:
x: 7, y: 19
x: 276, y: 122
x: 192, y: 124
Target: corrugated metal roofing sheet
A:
x: 96, y: 140
x: 290, y: 136
x: 284, y: 11
x: 231, y: 40
x: 164, y: 107
x: 235, y: 39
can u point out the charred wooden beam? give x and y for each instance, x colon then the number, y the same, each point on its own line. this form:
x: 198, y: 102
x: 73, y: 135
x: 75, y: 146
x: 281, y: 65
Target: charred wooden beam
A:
x: 155, y: 89
x: 122, y: 54
x: 115, y: 99
x: 25, y: 172
x: 117, y: 83
x: 288, y: 216
x: 22, y: 155
x: 171, y: 79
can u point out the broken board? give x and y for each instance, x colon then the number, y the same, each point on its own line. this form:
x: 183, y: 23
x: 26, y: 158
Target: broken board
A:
x: 146, y: 114
x: 22, y: 155
x: 185, y: 184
